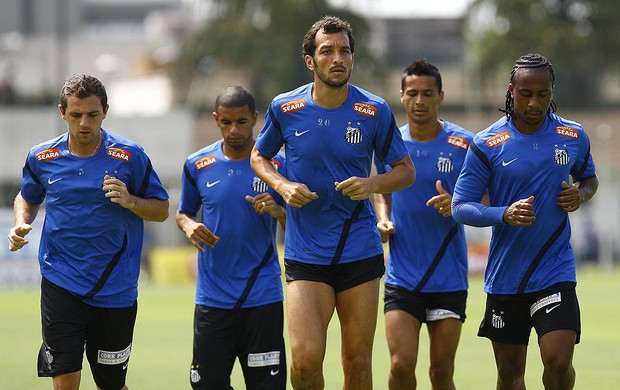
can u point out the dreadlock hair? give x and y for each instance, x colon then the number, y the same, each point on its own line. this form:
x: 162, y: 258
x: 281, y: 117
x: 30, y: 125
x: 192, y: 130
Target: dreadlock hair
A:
x: 529, y: 61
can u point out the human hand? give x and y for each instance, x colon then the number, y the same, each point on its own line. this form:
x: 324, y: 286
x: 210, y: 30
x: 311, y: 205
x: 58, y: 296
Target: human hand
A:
x: 441, y: 202
x: 520, y: 213
x: 199, y: 235
x: 264, y: 203
x: 356, y: 188
x: 296, y: 194
x: 569, y: 198
x: 116, y: 190
x: 16, y: 237
x: 385, y: 228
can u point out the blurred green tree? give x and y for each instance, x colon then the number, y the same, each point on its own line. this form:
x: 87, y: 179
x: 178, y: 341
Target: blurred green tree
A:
x: 581, y: 38
x: 263, y: 39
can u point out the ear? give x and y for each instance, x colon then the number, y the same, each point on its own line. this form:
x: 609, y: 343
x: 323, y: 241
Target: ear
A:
x: 511, y: 88
x: 62, y: 112
x: 105, y: 110
x: 441, y: 96
x: 309, y: 62
x: 402, y: 96
x: 254, y: 118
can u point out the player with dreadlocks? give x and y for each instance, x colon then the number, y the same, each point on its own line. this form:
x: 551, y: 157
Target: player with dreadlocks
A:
x: 526, y: 161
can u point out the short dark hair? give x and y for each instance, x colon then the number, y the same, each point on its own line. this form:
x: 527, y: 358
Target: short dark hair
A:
x: 329, y: 25
x: 529, y: 61
x: 235, y: 96
x: 82, y: 86
x: 422, y: 67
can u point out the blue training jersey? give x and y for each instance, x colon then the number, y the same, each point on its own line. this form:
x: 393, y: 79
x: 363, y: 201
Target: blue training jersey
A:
x: 324, y: 146
x: 428, y: 252
x: 90, y: 246
x: 515, y: 166
x: 242, y: 270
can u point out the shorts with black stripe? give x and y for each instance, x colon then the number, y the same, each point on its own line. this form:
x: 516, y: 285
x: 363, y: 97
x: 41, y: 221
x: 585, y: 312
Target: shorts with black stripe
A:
x: 71, y: 327
x: 425, y: 307
x: 509, y: 318
x: 339, y: 276
x: 253, y: 335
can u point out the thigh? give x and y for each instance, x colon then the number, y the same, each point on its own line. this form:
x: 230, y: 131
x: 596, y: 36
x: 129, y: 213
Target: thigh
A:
x: 506, y: 319
x: 444, y: 338
x: 309, y: 308
x: 357, y: 311
x: 402, y: 331
x: 556, y: 310
x: 215, y: 348
x: 262, y: 353
x: 64, y: 330
x: 108, y: 347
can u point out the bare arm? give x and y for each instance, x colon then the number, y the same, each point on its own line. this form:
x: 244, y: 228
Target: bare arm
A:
x: 294, y: 194
x: 197, y: 233
x: 25, y: 213
x: 383, y: 208
x: 402, y: 175
x: 149, y: 209
x: 572, y: 196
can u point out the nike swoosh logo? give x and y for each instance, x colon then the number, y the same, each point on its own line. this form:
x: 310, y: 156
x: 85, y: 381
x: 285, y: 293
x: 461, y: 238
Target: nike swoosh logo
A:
x: 547, y: 310
x: 506, y: 163
x: 274, y: 372
x: 124, y: 366
x: 50, y: 181
x: 299, y: 134
x: 209, y: 184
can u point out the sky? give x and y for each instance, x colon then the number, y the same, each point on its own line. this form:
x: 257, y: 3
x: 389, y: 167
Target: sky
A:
x: 406, y: 8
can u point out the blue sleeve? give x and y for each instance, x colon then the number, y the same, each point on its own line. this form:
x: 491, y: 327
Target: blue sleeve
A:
x: 190, y: 196
x: 477, y: 214
x: 389, y: 145
x: 270, y: 138
x: 470, y: 187
x: 584, y: 165
x: 32, y: 190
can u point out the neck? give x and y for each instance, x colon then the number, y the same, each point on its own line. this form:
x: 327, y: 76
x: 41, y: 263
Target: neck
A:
x: 329, y: 97
x: 425, y: 131
x: 241, y: 153
x: 87, y: 150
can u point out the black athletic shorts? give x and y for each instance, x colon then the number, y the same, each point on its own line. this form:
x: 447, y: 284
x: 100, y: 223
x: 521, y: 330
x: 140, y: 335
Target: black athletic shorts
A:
x: 426, y: 307
x: 509, y: 318
x: 71, y: 327
x: 253, y: 335
x: 340, y: 276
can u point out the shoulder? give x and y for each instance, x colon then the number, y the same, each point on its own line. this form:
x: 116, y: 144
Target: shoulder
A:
x: 453, y: 129
x: 291, y: 101
x: 498, y: 132
x: 49, y: 149
x: 567, y: 128
x: 207, y: 155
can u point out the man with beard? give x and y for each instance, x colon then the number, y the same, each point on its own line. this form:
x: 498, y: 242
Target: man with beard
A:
x: 333, y: 254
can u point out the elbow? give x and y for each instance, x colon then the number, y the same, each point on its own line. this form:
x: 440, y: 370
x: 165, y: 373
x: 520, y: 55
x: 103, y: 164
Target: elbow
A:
x: 164, y: 212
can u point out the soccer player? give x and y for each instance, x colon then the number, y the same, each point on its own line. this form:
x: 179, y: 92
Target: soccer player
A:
x: 525, y: 160
x: 239, y: 311
x: 98, y: 189
x: 426, y: 275
x: 333, y: 252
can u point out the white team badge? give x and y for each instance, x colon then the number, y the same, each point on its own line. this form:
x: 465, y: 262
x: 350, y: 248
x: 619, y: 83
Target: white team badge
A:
x: 259, y: 186
x: 353, y: 134
x: 561, y: 156
x: 444, y: 164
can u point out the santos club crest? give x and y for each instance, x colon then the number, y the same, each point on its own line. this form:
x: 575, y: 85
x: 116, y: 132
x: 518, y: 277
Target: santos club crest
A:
x: 353, y: 134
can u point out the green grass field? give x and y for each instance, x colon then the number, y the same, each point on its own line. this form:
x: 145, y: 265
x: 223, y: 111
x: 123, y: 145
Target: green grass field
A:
x: 162, y: 342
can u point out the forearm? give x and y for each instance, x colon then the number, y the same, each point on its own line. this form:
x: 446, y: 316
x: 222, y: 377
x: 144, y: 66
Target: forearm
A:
x: 477, y: 214
x: 401, y: 176
x: 24, y: 211
x: 383, y: 206
x: 149, y: 209
x: 587, y: 188
x: 265, y: 170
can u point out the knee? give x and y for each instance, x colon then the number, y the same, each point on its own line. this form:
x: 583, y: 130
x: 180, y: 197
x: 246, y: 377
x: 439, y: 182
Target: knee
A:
x: 558, y: 363
x: 510, y: 372
x: 306, y: 366
x: 357, y: 365
x: 403, y: 366
x: 441, y: 371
